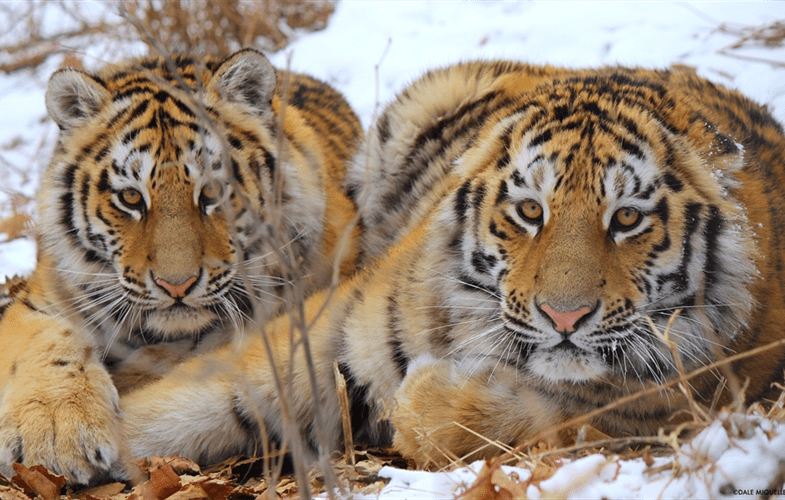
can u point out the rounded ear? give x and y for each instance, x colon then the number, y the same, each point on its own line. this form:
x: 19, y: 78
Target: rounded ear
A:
x: 73, y: 96
x: 246, y: 78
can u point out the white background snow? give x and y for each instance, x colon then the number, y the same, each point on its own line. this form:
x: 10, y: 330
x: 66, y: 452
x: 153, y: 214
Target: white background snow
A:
x: 404, y: 38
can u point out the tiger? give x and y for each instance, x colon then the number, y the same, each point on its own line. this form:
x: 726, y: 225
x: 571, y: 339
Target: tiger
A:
x: 187, y: 198
x: 545, y: 245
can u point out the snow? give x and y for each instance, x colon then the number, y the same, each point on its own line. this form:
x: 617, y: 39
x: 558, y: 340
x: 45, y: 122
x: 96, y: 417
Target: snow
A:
x: 711, y: 465
x: 735, y: 457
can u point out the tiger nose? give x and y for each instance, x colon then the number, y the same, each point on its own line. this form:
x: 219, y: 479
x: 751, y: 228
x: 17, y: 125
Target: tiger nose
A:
x: 564, y: 322
x: 176, y: 290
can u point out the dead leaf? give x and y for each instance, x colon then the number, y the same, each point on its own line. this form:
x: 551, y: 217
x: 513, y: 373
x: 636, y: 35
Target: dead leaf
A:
x: 286, y: 488
x: 16, y: 226
x: 191, y: 491
x: 163, y: 482
x: 102, y: 491
x: 11, y: 493
x: 493, y: 484
x: 39, y: 481
x: 217, y: 490
x: 179, y: 464
x: 505, y: 484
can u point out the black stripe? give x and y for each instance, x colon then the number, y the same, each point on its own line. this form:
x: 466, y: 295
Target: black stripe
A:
x: 461, y: 204
x: 692, y: 222
x: 468, y: 283
x: 712, y: 231
x: 235, y: 142
x: 479, y: 196
x: 395, y: 344
x: 494, y: 230
x: 631, y: 148
x: 506, y: 139
x: 103, y: 181
x: 482, y: 262
x: 269, y: 162
x: 515, y: 225
x: 541, y: 138
x: 503, y: 195
x: 236, y: 172
x: 673, y: 182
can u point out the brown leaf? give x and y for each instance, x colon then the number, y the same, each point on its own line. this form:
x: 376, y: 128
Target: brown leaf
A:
x: 191, y: 491
x: 179, y: 464
x: 9, y: 493
x: 217, y: 490
x: 542, y: 471
x: 39, y: 481
x: 164, y: 482
x: 507, y: 488
x: 102, y: 491
x: 483, y: 487
x: 16, y: 226
x: 286, y: 488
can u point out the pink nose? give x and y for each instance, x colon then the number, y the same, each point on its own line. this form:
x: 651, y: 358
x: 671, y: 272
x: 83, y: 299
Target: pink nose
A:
x: 565, y: 321
x: 178, y: 290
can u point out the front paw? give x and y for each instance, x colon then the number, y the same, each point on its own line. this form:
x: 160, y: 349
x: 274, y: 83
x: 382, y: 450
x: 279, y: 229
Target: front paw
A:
x: 443, y: 413
x: 72, y: 429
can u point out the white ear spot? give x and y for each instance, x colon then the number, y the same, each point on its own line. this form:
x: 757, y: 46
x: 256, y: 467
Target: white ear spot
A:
x: 246, y: 78
x: 73, y: 97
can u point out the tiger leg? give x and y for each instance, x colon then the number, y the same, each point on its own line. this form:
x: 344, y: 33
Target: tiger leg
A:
x: 228, y: 402
x: 58, y: 406
x: 442, y: 414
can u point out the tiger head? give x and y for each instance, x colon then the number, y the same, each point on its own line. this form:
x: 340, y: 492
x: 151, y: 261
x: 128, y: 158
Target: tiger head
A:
x: 159, y: 197
x: 597, y: 203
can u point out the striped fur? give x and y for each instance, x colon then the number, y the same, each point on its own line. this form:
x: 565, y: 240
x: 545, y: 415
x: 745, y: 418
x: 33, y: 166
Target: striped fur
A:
x: 186, y: 199
x: 536, y: 217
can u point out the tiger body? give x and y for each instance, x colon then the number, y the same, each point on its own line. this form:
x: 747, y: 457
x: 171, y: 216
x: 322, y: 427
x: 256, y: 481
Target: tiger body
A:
x: 536, y: 217
x: 186, y: 199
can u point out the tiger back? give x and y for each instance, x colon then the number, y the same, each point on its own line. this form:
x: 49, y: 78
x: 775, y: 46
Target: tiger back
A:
x: 186, y: 199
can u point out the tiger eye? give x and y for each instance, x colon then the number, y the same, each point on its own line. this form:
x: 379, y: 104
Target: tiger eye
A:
x: 131, y: 198
x: 627, y: 218
x: 531, y: 211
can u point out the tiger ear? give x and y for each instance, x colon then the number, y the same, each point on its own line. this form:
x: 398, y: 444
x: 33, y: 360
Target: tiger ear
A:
x: 73, y: 96
x: 246, y: 78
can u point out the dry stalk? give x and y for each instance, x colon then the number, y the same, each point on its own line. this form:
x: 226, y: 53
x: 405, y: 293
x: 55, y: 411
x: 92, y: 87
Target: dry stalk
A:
x: 490, y: 442
x: 672, y: 345
x: 346, y: 419
x: 770, y: 35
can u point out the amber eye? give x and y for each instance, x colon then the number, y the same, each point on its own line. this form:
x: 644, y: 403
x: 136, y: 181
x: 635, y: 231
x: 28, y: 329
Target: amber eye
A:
x: 211, y: 193
x: 530, y: 211
x: 626, y: 219
x: 131, y: 198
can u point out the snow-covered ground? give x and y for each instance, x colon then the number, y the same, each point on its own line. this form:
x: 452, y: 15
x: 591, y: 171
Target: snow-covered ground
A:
x: 404, y: 38
x: 734, y: 457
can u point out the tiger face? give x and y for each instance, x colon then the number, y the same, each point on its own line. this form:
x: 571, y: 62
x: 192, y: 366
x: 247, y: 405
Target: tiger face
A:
x: 176, y: 203
x: 595, y: 213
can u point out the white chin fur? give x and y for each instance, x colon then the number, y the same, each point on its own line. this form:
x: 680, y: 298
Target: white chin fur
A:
x: 178, y: 321
x: 566, y: 366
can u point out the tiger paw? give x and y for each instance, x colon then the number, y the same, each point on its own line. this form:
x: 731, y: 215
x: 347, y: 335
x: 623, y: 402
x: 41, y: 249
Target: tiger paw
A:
x: 70, y: 427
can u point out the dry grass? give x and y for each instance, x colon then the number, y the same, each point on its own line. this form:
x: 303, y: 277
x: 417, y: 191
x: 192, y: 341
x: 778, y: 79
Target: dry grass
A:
x: 200, y: 26
x: 769, y: 35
